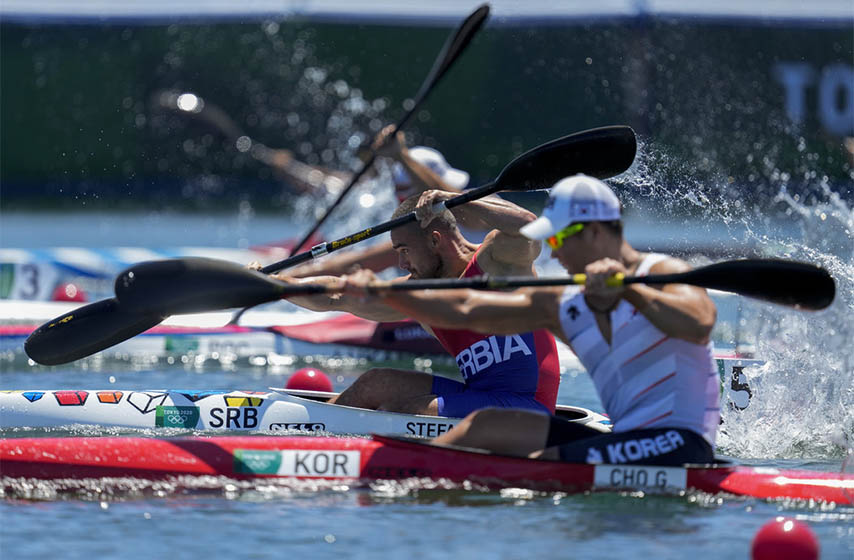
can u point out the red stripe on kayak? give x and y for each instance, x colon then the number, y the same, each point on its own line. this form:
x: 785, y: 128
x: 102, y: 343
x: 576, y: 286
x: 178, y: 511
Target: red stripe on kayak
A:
x: 380, y: 458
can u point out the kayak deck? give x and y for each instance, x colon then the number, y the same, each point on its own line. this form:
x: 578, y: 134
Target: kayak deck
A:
x: 218, y: 410
x: 362, y: 460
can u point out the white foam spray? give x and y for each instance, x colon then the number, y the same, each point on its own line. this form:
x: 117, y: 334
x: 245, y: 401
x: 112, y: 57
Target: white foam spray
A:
x: 803, y: 398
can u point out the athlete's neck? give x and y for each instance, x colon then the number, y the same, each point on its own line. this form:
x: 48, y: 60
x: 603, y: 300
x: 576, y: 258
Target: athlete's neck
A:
x: 459, y: 254
x: 630, y: 257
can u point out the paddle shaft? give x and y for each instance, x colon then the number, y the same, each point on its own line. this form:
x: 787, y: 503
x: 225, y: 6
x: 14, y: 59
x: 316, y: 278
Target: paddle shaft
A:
x: 330, y: 246
x: 797, y: 284
x: 484, y: 282
x: 451, y: 51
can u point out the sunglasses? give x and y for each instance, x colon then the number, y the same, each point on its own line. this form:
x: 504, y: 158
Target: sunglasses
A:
x: 556, y: 240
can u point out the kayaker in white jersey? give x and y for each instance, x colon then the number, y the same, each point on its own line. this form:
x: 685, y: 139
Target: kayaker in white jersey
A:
x: 646, y: 348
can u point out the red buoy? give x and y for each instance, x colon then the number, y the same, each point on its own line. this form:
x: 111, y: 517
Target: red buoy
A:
x: 784, y: 538
x: 68, y: 292
x: 309, y: 379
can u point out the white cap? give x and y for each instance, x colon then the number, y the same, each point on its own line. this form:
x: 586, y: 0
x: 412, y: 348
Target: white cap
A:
x: 575, y: 199
x: 436, y: 162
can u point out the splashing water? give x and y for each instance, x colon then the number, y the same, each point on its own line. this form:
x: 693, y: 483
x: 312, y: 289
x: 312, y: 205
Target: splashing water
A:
x: 312, y: 111
x: 805, y: 394
x: 803, y: 397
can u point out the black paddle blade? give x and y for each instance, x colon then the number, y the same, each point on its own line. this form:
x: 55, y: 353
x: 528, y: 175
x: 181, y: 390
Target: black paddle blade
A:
x: 453, y: 48
x: 192, y: 285
x: 599, y: 152
x: 797, y: 284
x: 84, y: 331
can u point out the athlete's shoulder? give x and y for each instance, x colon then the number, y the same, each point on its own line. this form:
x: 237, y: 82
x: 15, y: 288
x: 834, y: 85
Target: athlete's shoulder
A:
x: 503, y: 253
x: 664, y: 264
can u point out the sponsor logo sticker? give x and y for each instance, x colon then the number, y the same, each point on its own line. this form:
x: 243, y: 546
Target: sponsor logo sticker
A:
x: 176, y: 417
x: 251, y: 461
x: 301, y: 463
x: 301, y: 426
x: 427, y: 429
x: 640, y: 477
x: 181, y: 344
x: 414, y: 332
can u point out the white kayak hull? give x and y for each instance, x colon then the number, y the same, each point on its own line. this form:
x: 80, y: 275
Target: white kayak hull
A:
x: 273, y: 410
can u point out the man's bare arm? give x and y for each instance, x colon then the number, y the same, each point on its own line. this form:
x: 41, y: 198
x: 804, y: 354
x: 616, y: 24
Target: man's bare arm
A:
x: 522, y: 310
x: 505, y: 250
x: 373, y: 311
x: 304, y: 177
x: 678, y: 310
x: 422, y: 178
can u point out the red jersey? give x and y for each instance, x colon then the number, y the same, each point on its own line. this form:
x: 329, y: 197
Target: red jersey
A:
x: 525, y: 364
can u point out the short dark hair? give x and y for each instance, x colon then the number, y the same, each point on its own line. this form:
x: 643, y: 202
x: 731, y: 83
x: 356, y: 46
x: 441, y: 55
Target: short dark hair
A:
x: 445, y: 220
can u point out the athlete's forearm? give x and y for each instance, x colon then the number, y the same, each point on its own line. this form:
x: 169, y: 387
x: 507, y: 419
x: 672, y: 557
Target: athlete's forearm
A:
x: 306, y: 178
x: 493, y: 212
x: 339, y: 302
x: 318, y: 302
x: 678, y: 311
x: 486, y: 312
x: 349, y: 304
x: 423, y: 178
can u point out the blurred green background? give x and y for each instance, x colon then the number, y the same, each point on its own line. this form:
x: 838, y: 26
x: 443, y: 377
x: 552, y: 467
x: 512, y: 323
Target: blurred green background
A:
x: 743, y: 108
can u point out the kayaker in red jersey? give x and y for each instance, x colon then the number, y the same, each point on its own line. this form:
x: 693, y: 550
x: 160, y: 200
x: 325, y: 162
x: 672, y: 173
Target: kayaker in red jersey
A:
x: 414, y: 170
x: 646, y: 348
x: 507, y: 370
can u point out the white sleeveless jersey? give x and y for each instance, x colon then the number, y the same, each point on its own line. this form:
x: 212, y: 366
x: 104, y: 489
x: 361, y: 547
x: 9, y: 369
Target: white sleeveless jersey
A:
x: 645, y: 379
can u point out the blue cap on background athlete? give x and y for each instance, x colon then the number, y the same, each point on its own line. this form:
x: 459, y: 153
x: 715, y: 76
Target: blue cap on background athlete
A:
x: 575, y: 199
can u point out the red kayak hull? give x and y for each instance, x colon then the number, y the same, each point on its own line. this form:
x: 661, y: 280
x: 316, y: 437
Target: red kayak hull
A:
x: 380, y: 458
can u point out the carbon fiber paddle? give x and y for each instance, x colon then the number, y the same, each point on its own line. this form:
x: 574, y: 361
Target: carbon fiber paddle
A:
x: 150, y: 292
x: 791, y: 283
